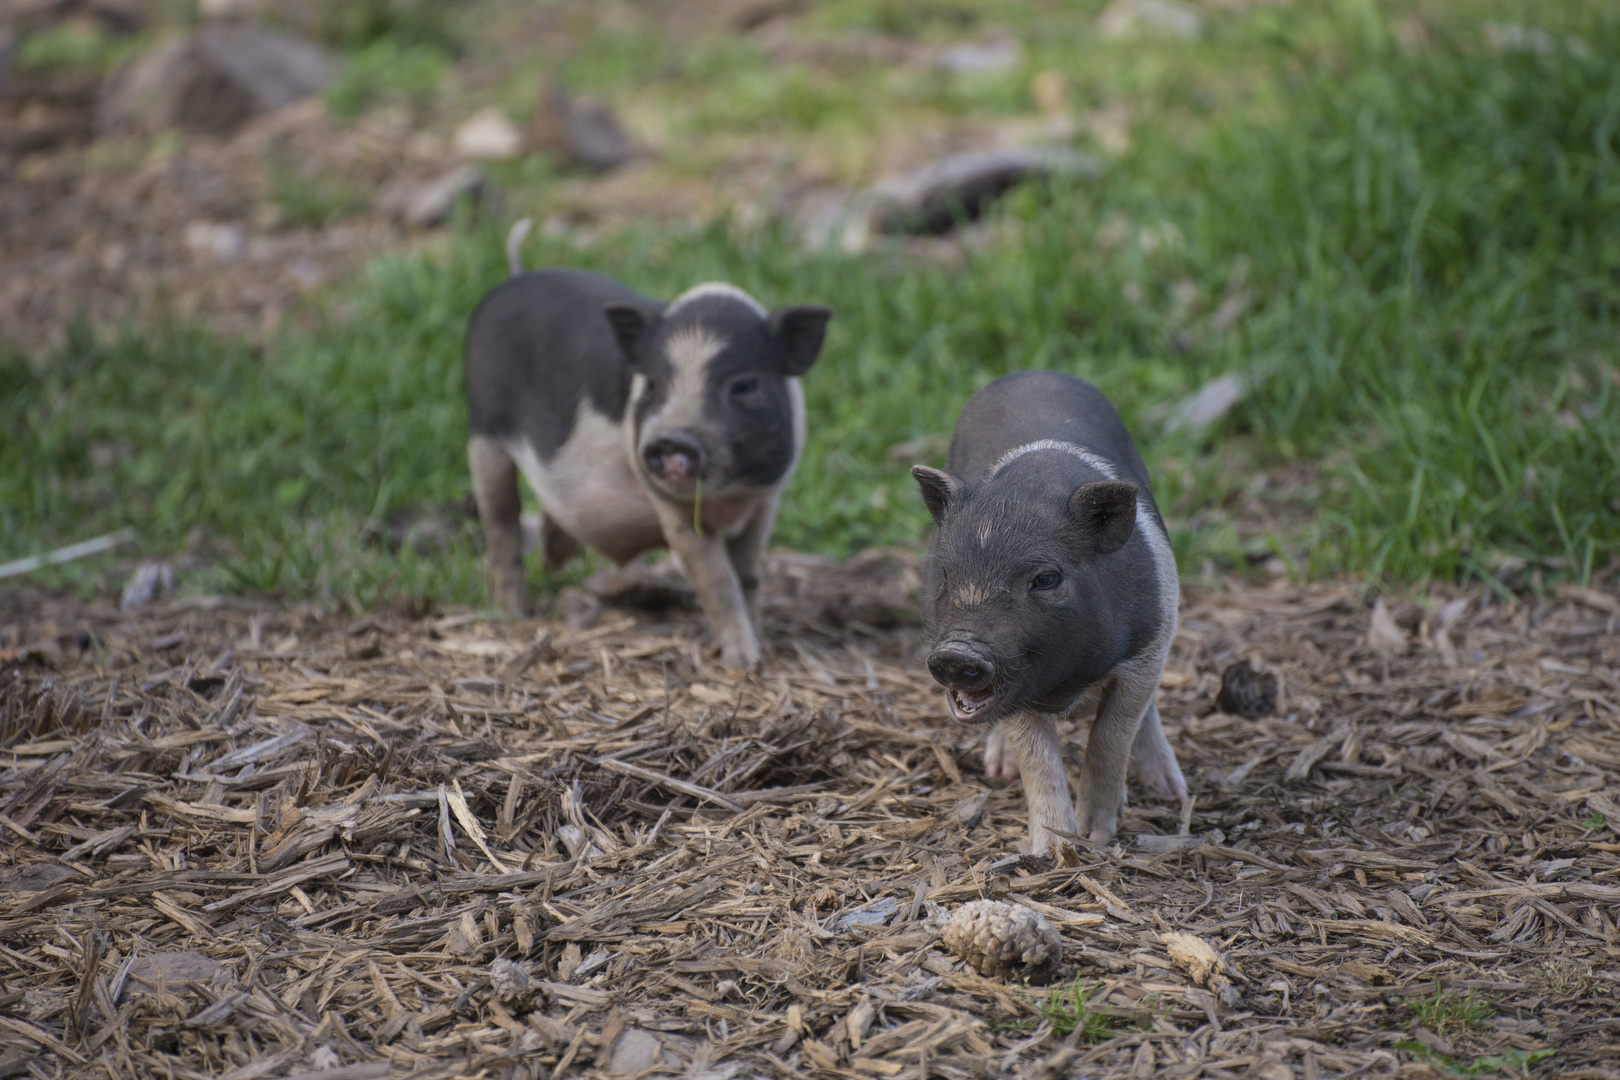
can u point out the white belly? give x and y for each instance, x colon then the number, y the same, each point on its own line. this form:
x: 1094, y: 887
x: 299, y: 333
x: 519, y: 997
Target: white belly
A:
x: 590, y: 490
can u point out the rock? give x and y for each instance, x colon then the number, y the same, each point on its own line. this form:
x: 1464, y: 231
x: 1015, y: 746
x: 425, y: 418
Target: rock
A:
x: 1384, y: 635
x: 421, y: 205
x: 175, y: 969
x: 38, y: 877
x: 487, y: 135
x: 1128, y: 18
x: 512, y: 986
x: 1246, y: 692
x: 1209, y: 402
x: 231, y: 10
x: 934, y: 199
x: 635, y: 1052
x: 876, y: 913
x: 978, y: 58
x: 210, y: 81
x: 583, y: 133
x: 145, y: 583
x: 223, y: 241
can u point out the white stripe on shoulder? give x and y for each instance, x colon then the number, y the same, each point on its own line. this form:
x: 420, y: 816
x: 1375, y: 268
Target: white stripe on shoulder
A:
x: 1102, y: 465
x: 713, y: 289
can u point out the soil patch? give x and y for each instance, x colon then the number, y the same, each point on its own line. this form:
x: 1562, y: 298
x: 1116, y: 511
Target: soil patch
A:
x: 250, y: 840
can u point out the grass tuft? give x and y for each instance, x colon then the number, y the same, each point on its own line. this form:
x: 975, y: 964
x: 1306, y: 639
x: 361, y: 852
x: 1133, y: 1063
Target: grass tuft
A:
x: 1447, y: 1013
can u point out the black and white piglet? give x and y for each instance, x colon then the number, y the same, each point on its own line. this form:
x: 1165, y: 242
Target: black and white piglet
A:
x: 639, y: 425
x: 1050, y: 588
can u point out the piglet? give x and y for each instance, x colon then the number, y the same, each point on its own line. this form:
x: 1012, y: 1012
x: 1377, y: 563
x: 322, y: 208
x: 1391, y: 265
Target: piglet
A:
x: 638, y: 425
x: 1050, y: 590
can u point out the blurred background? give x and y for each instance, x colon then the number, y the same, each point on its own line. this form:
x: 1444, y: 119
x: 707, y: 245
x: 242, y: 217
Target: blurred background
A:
x: 1349, y: 268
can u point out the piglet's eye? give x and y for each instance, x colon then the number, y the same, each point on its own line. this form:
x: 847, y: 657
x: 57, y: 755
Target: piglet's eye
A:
x: 744, y: 386
x: 1046, y: 579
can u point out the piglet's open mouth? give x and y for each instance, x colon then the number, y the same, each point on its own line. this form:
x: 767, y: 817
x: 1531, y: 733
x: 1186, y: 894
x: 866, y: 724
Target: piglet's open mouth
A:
x: 971, y: 705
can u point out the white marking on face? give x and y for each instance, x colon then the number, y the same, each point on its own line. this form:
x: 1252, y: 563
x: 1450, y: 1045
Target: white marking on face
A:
x: 713, y: 289
x: 984, y: 534
x: 1102, y: 465
x: 1164, y: 560
x: 689, y: 349
x: 971, y: 595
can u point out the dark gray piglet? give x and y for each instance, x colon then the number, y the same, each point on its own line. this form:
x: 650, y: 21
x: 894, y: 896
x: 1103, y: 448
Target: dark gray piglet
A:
x: 1050, y: 589
x: 639, y: 425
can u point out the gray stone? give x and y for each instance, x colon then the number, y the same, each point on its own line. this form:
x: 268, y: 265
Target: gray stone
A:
x: 981, y: 57
x: 635, y: 1052
x: 427, y: 204
x: 1128, y: 18
x: 174, y: 969
x: 583, y: 133
x: 1210, y: 402
x: 40, y: 876
x: 210, y: 81
x: 934, y: 199
x: 876, y: 913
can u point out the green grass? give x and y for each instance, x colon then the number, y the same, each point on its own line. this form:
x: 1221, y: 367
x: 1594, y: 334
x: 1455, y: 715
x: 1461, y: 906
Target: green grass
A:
x: 76, y: 46
x: 387, y: 71
x: 1079, y: 1006
x: 1426, y: 238
x: 1513, y: 1062
x: 1447, y: 1013
x: 311, y: 198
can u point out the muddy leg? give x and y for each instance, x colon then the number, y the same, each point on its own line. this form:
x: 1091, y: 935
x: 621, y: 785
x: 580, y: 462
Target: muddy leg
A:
x: 1046, y: 789
x: 707, y: 565
x: 495, y: 488
x: 1153, y: 762
x: 1000, y: 763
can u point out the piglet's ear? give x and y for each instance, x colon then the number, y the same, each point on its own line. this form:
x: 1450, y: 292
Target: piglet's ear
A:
x: 799, y: 332
x: 630, y: 323
x: 1105, y: 512
x: 939, y: 489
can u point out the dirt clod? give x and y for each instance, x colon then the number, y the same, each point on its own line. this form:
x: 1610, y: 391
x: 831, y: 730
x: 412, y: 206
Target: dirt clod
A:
x: 1246, y: 692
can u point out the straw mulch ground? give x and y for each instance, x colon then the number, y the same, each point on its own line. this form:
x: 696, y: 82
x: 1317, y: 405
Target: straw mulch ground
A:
x: 252, y: 841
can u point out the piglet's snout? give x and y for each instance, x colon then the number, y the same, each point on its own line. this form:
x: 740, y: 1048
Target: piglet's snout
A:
x: 675, y: 458
x: 961, y: 667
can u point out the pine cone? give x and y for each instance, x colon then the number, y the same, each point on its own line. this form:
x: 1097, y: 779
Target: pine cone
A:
x: 1001, y: 940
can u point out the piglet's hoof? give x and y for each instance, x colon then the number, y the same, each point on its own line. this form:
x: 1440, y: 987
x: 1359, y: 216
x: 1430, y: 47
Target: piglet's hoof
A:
x: 740, y: 657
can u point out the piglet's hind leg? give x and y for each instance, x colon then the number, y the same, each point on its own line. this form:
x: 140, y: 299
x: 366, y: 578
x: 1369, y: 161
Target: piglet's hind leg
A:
x: 1153, y: 762
x: 495, y: 489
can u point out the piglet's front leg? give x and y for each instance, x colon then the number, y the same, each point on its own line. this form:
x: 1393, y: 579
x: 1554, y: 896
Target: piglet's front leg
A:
x: 1108, y: 751
x: 1035, y: 744
x: 707, y: 563
x: 747, y: 551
